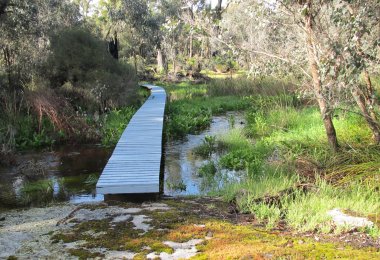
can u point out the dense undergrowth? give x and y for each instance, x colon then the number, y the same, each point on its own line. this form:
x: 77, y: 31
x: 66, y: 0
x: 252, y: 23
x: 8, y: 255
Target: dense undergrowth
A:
x: 77, y: 93
x: 105, y: 128
x: 286, y: 170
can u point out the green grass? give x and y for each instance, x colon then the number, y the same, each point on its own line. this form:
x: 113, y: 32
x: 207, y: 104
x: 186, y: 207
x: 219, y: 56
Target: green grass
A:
x: 194, y: 115
x: 114, y: 124
x: 243, y: 86
x: 192, y: 106
x: 277, y: 135
x: 307, y: 212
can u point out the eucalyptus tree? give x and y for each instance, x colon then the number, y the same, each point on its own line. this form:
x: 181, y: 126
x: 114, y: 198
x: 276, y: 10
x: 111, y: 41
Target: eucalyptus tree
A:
x: 355, y: 52
x: 342, y: 42
x: 130, y: 27
x: 275, y: 33
x: 262, y: 38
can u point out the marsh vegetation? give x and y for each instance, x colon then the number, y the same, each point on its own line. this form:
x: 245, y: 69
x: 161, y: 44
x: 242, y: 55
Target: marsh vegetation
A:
x: 278, y: 166
x: 295, y: 84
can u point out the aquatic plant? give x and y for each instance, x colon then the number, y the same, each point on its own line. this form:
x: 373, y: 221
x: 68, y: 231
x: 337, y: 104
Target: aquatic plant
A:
x: 176, y: 186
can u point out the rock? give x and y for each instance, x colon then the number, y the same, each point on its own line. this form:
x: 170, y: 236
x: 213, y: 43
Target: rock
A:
x: 343, y: 220
x: 184, y: 250
x: 209, y: 235
x: 155, y: 206
x: 121, y: 218
x: 200, y: 225
x: 140, y: 223
x: 119, y: 255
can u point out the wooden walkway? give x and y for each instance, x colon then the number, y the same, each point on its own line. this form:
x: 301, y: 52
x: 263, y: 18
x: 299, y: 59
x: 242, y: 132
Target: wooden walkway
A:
x: 134, y: 166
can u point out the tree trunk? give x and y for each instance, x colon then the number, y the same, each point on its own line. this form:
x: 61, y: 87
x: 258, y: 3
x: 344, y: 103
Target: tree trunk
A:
x: 160, y: 61
x: 317, y: 84
x: 3, y: 7
x: 370, y: 96
x: 218, y: 10
x: 191, y: 45
x: 174, y: 55
x: 135, y: 61
x: 372, y: 123
x: 8, y: 64
x: 116, y: 54
x: 113, y: 46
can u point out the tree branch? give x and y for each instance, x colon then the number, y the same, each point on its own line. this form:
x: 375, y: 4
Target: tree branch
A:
x: 267, y: 54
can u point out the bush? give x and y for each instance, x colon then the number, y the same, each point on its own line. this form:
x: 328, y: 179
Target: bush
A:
x: 80, y: 59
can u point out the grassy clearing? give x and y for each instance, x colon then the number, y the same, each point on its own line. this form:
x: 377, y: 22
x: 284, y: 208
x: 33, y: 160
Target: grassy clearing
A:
x: 287, y: 173
x: 282, y: 138
x: 191, y: 116
x: 281, y: 149
x: 192, y: 105
x: 246, y: 87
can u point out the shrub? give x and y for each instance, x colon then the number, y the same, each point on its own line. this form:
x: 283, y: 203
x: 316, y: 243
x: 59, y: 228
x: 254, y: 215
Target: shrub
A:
x: 98, y: 80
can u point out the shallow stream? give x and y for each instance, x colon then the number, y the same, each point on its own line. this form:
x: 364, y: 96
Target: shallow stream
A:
x: 66, y: 174
x: 70, y: 172
x: 181, y: 164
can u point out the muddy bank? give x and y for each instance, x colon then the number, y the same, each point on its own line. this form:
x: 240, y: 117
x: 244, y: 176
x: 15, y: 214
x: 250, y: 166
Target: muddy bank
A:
x: 167, y: 229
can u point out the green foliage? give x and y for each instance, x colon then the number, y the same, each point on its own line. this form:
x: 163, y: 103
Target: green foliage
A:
x: 268, y: 213
x: 224, y: 63
x: 81, y: 59
x: 208, y: 169
x: 243, y: 86
x: 191, y: 108
x: 27, y: 135
x: 177, y: 186
x: 207, y: 147
x: 114, y: 124
x: 43, y: 189
x: 308, y: 211
x: 192, y: 116
x: 269, y: 174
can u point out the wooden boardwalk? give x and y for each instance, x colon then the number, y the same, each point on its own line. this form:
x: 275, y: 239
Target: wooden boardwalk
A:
x: 134, y: 166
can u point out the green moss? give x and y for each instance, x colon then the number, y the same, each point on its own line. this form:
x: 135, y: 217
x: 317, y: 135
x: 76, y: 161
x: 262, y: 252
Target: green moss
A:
x: 84, y: 254
x: 229, y: 241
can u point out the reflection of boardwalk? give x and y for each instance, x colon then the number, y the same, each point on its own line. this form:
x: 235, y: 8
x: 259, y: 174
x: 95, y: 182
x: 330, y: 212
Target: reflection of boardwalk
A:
x: 134, y: 166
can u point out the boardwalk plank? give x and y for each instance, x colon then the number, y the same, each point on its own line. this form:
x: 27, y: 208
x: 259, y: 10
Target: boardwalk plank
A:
x: 134, y: 166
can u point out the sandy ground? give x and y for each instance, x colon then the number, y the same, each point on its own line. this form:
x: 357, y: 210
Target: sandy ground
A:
x: 32, y: 233
x: 26, y: 234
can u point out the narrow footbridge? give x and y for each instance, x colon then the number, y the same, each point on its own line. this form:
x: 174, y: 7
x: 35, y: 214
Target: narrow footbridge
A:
x: 134, y: 166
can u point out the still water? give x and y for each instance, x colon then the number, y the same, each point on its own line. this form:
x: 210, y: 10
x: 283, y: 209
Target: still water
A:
x: 66, y: 174
x: 181, y: 164
x: 70, y: 173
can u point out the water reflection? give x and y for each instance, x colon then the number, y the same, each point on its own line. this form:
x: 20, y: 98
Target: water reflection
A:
x: 70, y: 173
x: 181, y: 164
x: 67, y: 174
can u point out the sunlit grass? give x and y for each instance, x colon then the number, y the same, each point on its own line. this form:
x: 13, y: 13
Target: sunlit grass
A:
x: 267, y: 149
x: 279, y: 132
